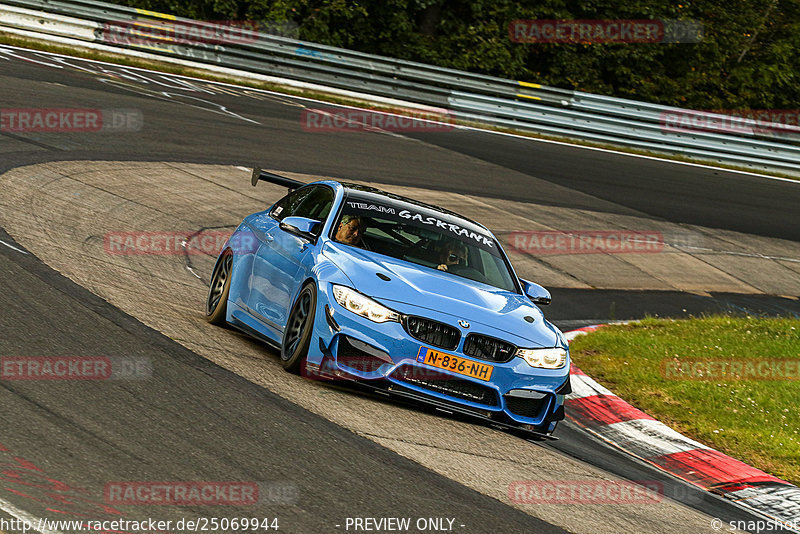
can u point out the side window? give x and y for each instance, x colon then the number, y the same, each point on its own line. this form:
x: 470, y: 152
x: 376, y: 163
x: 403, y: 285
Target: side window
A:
x: 288, y: 205
x: 317, y: 204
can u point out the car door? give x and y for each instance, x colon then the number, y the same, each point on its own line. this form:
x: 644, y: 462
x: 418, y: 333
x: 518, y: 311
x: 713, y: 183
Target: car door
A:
x: 262, y: 290
x: 280, y: 263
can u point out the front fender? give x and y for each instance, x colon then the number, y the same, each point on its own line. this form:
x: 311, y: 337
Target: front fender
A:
x: 325, y: 273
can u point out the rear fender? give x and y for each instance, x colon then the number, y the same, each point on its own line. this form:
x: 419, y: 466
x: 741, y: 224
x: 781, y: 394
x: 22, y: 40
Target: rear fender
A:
x: 244, y: 245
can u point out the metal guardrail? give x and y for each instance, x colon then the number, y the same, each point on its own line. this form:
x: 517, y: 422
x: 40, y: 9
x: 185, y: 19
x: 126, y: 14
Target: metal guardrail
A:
x: 467, y: 96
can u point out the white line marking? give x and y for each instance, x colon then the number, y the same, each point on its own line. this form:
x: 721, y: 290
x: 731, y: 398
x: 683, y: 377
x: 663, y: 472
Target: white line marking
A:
x: 306, y: 99
x: 734, y: 253
x: 12, y: 510
x: 12, y: 247
x: 194, y: 273
x: 366, y: 127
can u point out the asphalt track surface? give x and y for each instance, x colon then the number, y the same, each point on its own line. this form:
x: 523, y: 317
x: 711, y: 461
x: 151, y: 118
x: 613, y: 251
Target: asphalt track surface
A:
x: 195, y: 421
x: 45, y: 314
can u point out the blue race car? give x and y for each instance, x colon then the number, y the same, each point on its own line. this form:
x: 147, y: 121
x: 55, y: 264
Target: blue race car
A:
x: 354, y: 283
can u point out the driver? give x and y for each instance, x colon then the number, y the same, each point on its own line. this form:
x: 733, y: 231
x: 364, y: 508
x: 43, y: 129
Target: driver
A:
x: 351, y: 230
x: 453, y: 253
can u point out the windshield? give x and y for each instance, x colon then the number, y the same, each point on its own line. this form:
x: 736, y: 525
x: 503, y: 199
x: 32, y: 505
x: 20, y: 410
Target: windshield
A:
x: 422, y: 236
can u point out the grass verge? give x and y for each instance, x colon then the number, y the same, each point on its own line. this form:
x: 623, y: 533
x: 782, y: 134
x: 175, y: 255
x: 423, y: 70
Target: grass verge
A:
x: 686, y: 374
x: 121, y: 59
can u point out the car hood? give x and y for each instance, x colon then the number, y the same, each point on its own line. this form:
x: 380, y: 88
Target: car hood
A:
x: 416, y: 285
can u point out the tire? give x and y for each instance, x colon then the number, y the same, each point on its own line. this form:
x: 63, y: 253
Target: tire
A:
x: 220, y: 287
x: 299, y: 327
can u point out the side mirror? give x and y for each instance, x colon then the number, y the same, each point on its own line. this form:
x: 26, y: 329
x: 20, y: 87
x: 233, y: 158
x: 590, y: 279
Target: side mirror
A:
x: 538, y: 295
x: 302, y: 227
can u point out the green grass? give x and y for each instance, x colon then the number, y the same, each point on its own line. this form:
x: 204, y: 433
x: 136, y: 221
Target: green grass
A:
x: 756, y: 421
x: 160, y: 66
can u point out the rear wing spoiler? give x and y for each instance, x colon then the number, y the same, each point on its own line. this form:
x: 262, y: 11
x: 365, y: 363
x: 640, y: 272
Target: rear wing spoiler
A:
x: 258, y: 174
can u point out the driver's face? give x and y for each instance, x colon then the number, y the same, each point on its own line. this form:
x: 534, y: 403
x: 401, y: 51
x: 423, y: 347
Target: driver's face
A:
x: 350, y: 233
x: 455, y: 256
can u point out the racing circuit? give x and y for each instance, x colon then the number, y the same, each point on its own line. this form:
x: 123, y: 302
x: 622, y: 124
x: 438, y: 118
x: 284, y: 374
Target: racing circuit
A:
x: 218, y: 406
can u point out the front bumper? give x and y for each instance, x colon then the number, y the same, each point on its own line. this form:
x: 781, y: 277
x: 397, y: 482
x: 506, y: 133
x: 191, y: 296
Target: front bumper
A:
x: 383, y: 356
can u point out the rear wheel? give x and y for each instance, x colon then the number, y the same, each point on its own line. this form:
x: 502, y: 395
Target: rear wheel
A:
x: 217, y: 301
x: 297, y: 336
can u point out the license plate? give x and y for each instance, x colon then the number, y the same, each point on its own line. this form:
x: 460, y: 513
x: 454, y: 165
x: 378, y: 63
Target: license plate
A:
x: 455, y: 364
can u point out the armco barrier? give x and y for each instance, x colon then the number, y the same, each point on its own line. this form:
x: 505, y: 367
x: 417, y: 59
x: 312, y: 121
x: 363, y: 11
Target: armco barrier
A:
x: 469, y: 96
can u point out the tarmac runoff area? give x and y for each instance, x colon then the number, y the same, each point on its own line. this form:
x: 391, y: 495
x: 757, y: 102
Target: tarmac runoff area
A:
x: 554, y: 246
x: 63, y: 213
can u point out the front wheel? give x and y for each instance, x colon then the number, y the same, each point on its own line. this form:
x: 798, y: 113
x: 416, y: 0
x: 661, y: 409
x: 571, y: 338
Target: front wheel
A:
x: 217, y: 301
x: 297, y: 336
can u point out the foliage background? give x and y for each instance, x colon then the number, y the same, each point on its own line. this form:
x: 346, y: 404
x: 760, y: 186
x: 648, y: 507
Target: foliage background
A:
x: 749, y: 57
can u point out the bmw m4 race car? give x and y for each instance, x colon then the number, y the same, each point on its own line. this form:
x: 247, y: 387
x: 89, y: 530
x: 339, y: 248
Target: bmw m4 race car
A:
x: 354, y: 283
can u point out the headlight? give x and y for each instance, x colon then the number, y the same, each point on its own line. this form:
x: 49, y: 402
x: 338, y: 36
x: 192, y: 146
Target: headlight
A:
x: 363, y: 306
x: 544, y: 358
